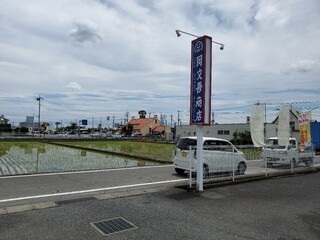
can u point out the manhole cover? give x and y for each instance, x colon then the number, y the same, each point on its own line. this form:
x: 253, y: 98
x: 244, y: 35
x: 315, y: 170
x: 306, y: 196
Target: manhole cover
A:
x: 114, y: 225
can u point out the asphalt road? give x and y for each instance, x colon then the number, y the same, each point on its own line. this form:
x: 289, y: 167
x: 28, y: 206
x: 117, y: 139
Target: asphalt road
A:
x: 279, y: 208
x: 26, y: 189
x: 17, y: 190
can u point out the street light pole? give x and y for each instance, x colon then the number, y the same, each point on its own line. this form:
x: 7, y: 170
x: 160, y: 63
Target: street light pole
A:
x: 178, y: 32
x: 39, y: 124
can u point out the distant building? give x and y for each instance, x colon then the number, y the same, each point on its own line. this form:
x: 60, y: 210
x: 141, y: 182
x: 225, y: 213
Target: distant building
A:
x: 272, y: 128
x: 3, y: 120
x: 226, y: 131
x: 147, y: 127
x: 5, y: 126
x: 30, y: 124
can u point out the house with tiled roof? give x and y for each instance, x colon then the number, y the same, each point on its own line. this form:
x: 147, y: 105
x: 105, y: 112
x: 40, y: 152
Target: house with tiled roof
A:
x: 158, y: 130
x: 145, y: 126
x: 150, y: 127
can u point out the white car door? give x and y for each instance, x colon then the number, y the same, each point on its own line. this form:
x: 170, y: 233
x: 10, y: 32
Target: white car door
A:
x: 218, y: 155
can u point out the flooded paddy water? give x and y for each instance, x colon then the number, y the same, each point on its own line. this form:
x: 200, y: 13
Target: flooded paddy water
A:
x: 35, y: 157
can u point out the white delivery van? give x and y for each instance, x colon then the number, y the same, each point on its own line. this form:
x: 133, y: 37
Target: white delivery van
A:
x: 219, y: 155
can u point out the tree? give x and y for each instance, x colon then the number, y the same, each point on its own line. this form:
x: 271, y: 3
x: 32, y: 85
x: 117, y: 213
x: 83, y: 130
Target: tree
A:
x: 21, y: 130
x: 240, y: 138
x: 24, y: 130
x: 236, y: 137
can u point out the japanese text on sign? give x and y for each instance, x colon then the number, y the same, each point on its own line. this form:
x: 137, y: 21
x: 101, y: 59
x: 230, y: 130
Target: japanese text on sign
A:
x: 200, y: 81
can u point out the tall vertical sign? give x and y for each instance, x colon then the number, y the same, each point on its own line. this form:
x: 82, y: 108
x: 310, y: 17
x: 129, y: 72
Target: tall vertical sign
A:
x: 304, y: 125
x: 200, y: 97
x: 257, y: 125
x: 284, y: 132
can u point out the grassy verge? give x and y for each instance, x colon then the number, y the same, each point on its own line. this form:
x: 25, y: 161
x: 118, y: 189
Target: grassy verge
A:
x: 251, y: 154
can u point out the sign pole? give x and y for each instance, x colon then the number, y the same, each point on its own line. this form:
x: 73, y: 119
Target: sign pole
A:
x: 200, y: 158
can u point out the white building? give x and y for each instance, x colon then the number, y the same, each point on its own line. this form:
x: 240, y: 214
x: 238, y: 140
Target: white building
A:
x: 226, y: 131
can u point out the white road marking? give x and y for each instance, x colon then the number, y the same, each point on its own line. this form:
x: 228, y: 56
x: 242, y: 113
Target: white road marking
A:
x: 92, y: 190
x: 77, y: 172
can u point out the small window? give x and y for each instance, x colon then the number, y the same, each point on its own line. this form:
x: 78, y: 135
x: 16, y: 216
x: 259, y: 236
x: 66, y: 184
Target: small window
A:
x: 292, y: 126
x: 210, y: 145
x: 293, y: 143
x: 223, y: 132
x: 225, y: 146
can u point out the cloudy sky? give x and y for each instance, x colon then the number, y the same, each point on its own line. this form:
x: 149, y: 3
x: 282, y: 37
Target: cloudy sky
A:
x: 97, y: 58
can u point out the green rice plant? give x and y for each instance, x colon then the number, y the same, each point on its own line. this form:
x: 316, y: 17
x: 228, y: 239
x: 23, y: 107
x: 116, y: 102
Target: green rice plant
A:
x: 157, y: 151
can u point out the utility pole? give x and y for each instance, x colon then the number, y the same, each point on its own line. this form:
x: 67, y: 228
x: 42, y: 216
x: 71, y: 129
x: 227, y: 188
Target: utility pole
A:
x: 108, y: 119
x: 113, y: 122
x: 212, y: 118
x: 179, y: 118
x: 127, y: 115
x: 171, y: 121
x: 39, y: 124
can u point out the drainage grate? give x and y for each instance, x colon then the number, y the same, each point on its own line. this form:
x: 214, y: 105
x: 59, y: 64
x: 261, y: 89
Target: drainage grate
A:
x: 114, y: 225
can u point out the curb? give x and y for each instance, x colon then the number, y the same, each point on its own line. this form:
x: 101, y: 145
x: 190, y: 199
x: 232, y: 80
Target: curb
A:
x: 210, y: 184
x: 52, y: 204
x: 27, y: 207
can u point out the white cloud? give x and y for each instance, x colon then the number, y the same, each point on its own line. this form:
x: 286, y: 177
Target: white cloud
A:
x: 304, y: 66
x: 73, y: 86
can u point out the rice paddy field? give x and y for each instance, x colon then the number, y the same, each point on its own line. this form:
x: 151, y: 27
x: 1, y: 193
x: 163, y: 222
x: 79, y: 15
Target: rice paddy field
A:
x: 28, y: 157
x: 37, y: 157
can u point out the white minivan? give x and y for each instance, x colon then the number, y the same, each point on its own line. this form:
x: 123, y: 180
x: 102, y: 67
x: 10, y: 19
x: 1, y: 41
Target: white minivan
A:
x: 219, y: 155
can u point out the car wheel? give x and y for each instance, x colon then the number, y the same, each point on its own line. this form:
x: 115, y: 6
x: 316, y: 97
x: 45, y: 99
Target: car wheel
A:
x: 269, y: 164
x: 179, y: 171
x: 242, y: 167
x: 205, y: 170
x: 309, y: 162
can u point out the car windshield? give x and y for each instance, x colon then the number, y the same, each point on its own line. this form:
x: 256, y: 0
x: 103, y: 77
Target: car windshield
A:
x: 273, y: 144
